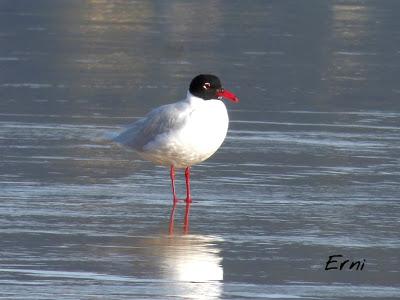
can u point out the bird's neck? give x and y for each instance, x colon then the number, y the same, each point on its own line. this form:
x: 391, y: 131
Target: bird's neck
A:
x: 193, y: 99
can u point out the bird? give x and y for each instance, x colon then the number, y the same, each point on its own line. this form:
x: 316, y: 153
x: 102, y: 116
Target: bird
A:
x: 182, y: 134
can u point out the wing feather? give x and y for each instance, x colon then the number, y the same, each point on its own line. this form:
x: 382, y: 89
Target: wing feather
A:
x: 161, y: 120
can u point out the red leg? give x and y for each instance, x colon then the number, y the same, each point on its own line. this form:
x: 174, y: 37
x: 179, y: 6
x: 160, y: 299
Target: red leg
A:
x: 172, y: 175
x: 187, y: 176
x: 175, y: 200
x: 188, y: 200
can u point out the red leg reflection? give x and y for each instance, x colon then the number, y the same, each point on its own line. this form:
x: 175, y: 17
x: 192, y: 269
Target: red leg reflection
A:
x: 171, y: 219
x: 188, y: 201
x: 175, y: 200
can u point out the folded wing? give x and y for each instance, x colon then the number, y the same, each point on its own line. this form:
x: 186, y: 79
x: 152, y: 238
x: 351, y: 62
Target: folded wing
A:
x: 162, y: 120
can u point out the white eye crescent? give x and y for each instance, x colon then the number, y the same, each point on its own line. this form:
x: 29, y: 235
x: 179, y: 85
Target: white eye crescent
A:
x: 207, y: 85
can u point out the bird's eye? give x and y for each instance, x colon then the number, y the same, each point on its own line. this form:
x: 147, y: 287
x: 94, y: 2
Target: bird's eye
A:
x: 207, y: 85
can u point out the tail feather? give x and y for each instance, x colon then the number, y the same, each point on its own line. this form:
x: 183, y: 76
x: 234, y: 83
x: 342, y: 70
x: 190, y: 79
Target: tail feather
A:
x: 129, y: 136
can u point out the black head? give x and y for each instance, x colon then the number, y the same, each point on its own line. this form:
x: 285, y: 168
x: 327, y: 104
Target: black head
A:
x: 208, y: 86
x: 205, y: 86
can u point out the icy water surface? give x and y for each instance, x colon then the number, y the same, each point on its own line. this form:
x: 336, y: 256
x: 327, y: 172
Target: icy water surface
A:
x: 310, y: 167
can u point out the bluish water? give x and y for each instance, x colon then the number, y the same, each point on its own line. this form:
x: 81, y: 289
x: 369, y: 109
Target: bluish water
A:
x: 310, y: 167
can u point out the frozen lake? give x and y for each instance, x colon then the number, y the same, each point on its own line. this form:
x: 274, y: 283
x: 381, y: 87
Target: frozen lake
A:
x: 310, y: 167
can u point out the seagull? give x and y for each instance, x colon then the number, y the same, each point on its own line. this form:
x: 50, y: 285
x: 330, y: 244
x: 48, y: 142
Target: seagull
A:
x: 182, y: 134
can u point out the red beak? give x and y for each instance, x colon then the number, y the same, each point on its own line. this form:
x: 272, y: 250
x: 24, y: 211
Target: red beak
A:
x: 228, y: 95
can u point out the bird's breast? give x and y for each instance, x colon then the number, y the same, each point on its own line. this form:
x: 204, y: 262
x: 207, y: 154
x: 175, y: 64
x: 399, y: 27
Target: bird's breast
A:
x: 206, y: 128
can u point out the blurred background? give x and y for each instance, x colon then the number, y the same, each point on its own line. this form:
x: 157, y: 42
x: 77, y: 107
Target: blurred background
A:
x: 310, y: 167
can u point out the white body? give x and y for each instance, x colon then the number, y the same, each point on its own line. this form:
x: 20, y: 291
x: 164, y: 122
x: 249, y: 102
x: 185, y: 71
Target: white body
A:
x: 180, y: 134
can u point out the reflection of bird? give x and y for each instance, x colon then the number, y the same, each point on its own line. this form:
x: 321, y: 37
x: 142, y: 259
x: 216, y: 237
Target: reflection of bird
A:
x: 191, y: 264
x: 184, y: 133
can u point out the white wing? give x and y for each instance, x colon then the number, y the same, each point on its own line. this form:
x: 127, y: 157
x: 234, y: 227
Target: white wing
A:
x: 161, y: 120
